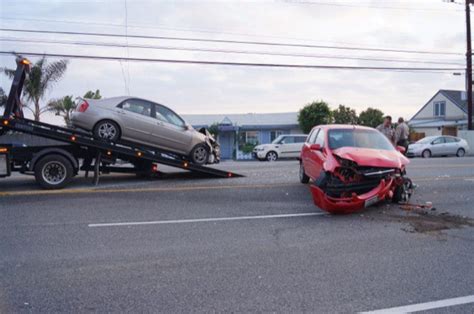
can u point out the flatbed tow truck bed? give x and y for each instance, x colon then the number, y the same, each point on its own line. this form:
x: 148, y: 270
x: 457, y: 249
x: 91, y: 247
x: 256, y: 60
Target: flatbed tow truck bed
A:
x: 56, y: 154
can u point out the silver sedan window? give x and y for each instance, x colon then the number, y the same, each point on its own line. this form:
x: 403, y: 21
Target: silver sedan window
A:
x: 169, y: 116
x: 137, y: 106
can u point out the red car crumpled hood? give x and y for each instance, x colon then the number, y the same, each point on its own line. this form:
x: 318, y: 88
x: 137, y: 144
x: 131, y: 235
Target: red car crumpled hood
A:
x: 372, y: 157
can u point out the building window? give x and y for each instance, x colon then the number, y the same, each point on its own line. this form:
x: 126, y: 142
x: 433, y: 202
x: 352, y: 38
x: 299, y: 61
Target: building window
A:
x: 274, y: 135
x: 439, y: 109
x: 249, y: 137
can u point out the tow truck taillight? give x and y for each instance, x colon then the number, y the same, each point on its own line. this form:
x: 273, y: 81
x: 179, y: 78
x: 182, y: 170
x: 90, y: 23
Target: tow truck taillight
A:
x: 83, y: 106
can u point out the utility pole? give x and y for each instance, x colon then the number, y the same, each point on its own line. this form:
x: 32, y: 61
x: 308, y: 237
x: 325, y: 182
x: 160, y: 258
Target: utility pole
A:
x: 469, y: 65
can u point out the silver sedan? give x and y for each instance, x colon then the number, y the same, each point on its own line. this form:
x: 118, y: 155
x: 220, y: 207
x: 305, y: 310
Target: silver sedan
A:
x: 145, y: 122
x: 438, y: 146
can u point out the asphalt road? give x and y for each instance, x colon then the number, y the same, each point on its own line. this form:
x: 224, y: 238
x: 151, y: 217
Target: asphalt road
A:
x: 253, y: 244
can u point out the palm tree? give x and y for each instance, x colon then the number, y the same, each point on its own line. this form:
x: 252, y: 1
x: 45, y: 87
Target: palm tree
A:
x: 66, y: 105
x: 42, y: 76
x: 63, y: 107
x: 93, y: 95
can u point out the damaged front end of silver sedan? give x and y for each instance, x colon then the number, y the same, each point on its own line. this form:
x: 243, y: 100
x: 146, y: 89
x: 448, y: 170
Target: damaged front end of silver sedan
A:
x: 213, y: 145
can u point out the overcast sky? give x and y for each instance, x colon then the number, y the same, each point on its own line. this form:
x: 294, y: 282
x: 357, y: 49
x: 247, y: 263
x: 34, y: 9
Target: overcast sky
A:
x: 428, y: 25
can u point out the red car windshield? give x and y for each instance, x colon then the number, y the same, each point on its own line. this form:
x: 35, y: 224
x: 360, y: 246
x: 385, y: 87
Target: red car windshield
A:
x: 360, y: 138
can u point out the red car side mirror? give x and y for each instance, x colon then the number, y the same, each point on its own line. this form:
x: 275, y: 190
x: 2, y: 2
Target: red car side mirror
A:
x: 315, y: 147
x: 401, y: 149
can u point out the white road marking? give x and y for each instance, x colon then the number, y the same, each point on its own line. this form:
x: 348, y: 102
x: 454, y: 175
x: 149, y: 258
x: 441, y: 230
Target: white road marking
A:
x: 426, y: 306
x: 181, y: 221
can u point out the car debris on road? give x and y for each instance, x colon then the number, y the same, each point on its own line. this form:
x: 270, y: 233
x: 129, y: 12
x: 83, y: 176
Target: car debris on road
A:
x: 409, y: 206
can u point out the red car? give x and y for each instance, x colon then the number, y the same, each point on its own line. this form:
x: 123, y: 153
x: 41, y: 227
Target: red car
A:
x: 353, y: 167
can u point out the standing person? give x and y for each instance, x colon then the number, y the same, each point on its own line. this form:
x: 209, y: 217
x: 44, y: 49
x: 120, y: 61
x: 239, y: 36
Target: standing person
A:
x: 401, y: 133
x: 386, y: 128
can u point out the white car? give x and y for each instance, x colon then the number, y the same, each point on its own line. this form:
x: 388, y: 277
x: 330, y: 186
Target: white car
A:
x: 438, y: 146
x: 284, y: 146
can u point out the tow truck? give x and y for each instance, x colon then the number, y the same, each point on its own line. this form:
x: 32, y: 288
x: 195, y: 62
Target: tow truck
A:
x: 54, y: 154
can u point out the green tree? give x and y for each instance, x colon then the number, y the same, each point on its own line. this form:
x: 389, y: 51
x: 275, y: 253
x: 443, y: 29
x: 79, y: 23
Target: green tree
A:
x: 313, y: 114
x: 42, y: 76
x: 3, y: 97
x: 371, y: 117
x: 93, y: 95
x: 344, y: 115
x: 63, y: 107
x: 214, y: 129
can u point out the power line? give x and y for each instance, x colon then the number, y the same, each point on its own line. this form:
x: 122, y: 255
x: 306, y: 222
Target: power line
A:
x: 245, y: 64
x: 227, y: 41
x: 367, y: 6
x: 181, y: 29
x: 167, y: 28
x: 246, y: 52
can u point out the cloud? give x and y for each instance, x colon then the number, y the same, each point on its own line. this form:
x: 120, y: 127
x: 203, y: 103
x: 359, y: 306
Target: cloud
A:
x: 223, y: 89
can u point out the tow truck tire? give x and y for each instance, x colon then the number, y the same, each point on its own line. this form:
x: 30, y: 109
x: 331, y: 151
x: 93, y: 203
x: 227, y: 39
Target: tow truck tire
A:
x: 199, y: 154
x: 108, y: 130
x: 302, y: 174
x: 53, y: 172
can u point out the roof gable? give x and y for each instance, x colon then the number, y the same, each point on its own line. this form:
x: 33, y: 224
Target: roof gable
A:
x: 454, y: 96
x: 226, y: 121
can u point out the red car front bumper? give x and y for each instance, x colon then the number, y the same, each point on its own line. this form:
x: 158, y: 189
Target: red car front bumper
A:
x: 355, y: 203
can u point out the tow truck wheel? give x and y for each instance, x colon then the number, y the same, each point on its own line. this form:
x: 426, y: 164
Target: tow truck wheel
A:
x: 199, y: 154
x: 53, y: 172
x: 302, y: 174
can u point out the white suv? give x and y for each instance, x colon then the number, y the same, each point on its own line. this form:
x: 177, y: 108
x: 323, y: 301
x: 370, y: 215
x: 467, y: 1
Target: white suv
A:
x: 284, y: 146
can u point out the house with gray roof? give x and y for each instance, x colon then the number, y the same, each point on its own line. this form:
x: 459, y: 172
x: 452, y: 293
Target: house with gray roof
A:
x: 239, y: 132
x: 444, y: 114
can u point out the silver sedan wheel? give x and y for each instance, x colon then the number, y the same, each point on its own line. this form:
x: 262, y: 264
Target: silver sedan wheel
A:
x: 107, y: 130
x: 426, y: 154
x: 54, y: 173
x: 461, y: 152
x: 272, y: 156
x: 200, y: 155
